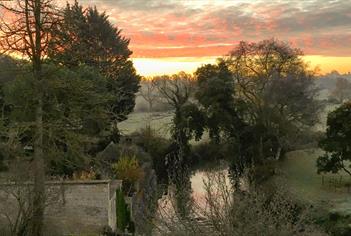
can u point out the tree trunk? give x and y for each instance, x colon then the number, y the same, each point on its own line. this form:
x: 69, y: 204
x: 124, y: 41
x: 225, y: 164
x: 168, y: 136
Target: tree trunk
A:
x: 150, y: 106
x: 39, y: 174
x: 39, y: 165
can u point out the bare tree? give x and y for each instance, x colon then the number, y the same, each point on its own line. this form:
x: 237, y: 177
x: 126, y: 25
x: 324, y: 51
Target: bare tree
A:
x: 148, y: 91
x: 277, y: 88
x: 176, y: 89
x: 342, y: 89
x: 26, y: 31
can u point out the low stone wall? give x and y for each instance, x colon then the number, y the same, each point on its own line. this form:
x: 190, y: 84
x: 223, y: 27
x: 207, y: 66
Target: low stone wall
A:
x: 73, y: 207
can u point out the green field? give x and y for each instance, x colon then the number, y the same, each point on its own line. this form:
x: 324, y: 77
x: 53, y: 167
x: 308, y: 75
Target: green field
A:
x: 300, y: 172
x: 159, y: 121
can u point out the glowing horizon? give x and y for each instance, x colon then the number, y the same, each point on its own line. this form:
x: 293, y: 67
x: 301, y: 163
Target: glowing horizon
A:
x: 167, y: 36
x: 172, y: 65
x: 172, y: 35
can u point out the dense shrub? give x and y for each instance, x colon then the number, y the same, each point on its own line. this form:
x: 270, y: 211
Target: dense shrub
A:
x: 128, y: 169
x: 122, y: 214
x: 206, y: 153
x: 156, y: 146
x: 106, y: 159
x: 85, y: 175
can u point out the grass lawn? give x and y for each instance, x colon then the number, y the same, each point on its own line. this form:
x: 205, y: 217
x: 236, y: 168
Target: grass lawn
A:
x: 299, y: 170
x: 159, y: 121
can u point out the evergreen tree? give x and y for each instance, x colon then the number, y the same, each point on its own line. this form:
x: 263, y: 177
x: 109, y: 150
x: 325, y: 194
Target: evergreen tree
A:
x: 87, y: 37
x: 73, y: 115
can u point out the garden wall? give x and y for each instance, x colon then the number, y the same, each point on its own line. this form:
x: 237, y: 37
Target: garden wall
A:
x: 74, y: 207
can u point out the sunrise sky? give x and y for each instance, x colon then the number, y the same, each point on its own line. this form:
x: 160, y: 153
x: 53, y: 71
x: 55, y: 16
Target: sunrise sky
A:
x: 173, y: 35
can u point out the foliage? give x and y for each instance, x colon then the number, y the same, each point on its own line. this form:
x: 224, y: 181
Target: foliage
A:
x: 8, y: 71
x: 73, y: 112
x: 258, y: 100
x: 27, y: 33
x: 215, y: 94
x: 84, y: 175
x: 188, y: 121
x: 336, y: 142
x: 205, y: 155
x: 272, y: 102
x: 176, y: 90
x: 128, y: 170
x: 122, y: 211
x: 86, y: 36
x: 156, y: 146
x: 276, y: 88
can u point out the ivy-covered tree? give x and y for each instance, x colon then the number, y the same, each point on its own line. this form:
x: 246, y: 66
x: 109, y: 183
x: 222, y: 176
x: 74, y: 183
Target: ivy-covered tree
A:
x: 215, y: 94
x: 86, y: 36
x: 216, y: 97
x: 337, y: 142
x: 177, y: 90
x: 72, y: 98
x: 188, y: 122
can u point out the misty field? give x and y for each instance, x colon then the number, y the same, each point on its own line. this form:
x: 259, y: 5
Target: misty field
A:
x: 300, y: 171
x: 159, y: 121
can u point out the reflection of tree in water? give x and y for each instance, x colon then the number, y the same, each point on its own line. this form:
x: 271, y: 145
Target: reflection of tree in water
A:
x: 179, y: 178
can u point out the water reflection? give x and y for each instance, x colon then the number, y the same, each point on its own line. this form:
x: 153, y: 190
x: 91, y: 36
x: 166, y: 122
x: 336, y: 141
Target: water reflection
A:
x: 203, y: 184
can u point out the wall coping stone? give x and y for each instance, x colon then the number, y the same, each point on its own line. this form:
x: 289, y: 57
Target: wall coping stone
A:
x: 68, y: 182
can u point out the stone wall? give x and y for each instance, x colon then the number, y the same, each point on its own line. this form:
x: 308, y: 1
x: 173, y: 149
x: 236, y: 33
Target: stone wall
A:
x: 74, y: 207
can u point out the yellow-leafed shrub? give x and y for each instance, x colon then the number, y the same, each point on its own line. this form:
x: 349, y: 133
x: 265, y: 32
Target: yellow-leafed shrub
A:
x: 128, y: 169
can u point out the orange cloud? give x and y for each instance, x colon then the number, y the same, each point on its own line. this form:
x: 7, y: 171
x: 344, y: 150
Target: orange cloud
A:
x: 163, y: 29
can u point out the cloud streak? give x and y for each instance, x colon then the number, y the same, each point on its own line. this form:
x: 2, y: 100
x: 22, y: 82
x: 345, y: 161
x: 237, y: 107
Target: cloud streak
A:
x: 175, y: 28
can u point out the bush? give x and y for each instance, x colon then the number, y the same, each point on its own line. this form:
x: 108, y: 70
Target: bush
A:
x: 127, y: 169
x: 122, y: 213
x: 107, y: 231
x: 156, y: 146
x: 84, y: 175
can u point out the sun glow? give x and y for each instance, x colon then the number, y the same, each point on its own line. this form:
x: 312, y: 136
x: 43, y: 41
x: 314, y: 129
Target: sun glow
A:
x: 169, y: 65
x: 327, y: 64
x: 172, y: 65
